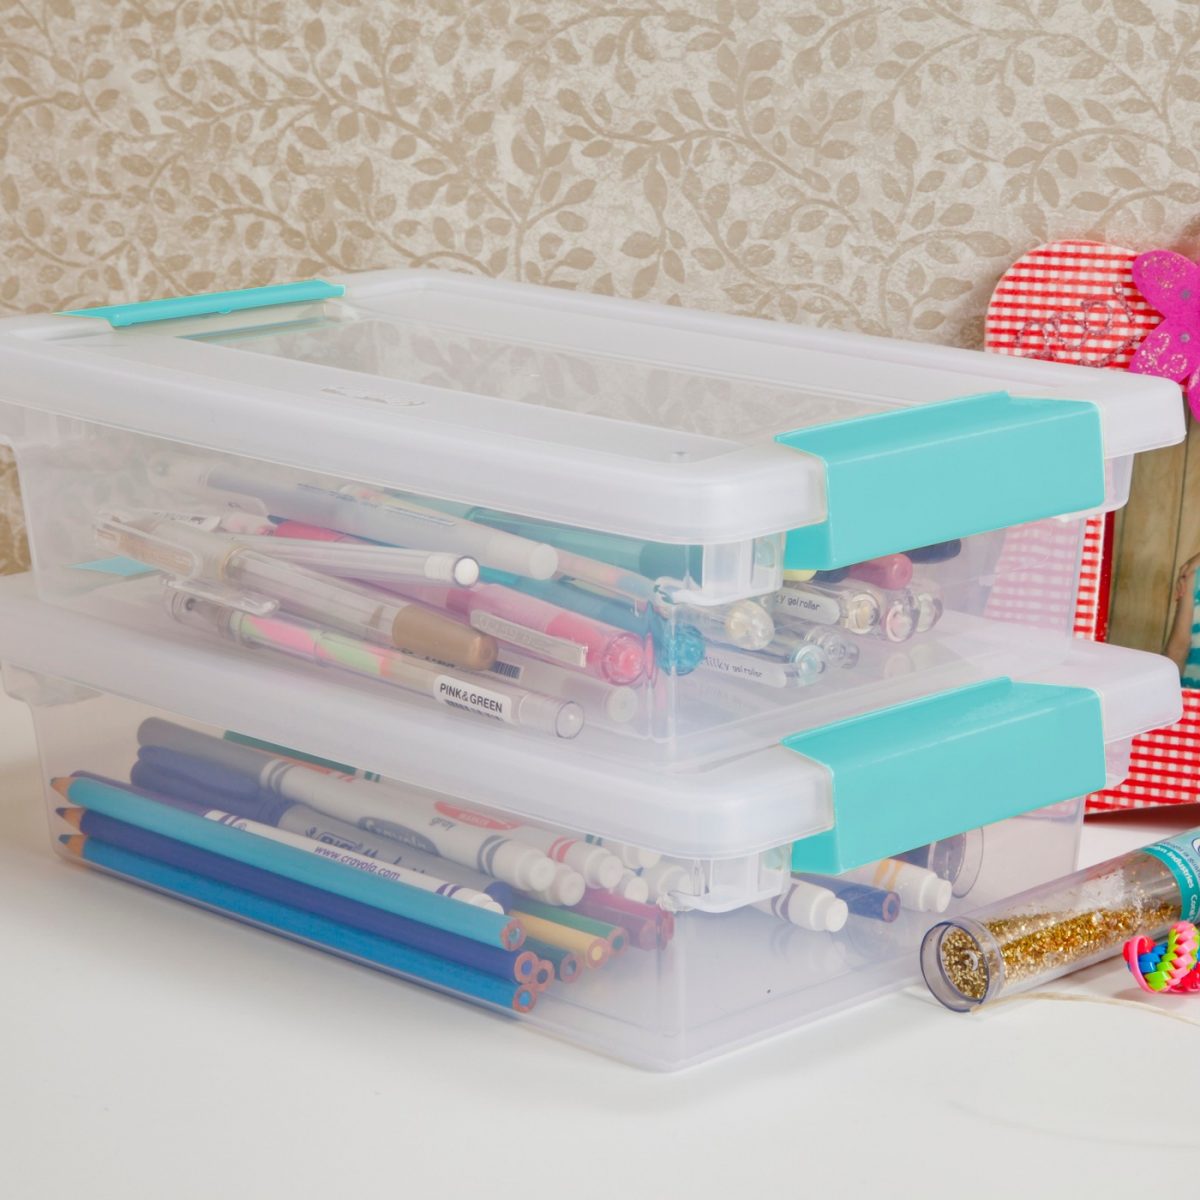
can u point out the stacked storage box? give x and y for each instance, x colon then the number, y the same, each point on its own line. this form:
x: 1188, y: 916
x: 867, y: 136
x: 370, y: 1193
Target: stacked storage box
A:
x: 653, y: 676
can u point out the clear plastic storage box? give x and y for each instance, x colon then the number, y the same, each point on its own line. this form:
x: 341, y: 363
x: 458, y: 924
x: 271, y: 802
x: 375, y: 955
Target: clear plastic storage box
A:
x: 759, y: 637
x: 667, y: 916
x: 690, y: 535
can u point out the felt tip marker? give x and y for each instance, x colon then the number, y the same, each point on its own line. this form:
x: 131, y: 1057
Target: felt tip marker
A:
x: 807, y: 906
x: 890, y: 571
x: 383, y: 808
x: 860, y: 899
x: 919, y: 889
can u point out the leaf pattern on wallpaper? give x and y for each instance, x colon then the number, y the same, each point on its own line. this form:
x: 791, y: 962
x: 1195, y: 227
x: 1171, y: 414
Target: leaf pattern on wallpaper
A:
x: 867, y: 165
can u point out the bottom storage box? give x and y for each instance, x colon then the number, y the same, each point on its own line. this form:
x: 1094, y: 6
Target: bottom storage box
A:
x: 651, y: 952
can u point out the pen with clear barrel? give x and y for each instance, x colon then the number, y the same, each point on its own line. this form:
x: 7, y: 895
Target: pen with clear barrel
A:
x: 194, y: 555
x: 487, y: 697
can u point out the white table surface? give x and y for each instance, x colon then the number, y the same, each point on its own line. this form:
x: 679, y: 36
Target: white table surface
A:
x: 152, y: 1050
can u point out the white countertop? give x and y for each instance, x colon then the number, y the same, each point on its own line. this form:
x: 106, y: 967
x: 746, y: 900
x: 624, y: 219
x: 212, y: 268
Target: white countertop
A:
x: 152, y: 1050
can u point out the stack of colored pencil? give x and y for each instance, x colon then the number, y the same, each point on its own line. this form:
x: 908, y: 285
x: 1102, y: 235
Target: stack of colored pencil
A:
x: 479, y: 938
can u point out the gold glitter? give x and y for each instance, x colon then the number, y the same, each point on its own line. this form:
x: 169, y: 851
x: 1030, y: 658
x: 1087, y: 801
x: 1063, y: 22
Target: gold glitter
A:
x: 1034, y: 945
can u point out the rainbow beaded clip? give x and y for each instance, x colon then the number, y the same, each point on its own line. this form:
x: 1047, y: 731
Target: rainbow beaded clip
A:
x: 1169, y: 965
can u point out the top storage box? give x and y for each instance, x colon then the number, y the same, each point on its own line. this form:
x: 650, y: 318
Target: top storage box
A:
x: 662, y: 536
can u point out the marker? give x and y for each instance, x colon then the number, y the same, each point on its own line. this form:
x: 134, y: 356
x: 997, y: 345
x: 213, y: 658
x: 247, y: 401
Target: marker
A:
x: 860, y: 899
x: 632, y: 887
x: 807, y: 906
x: 665, y: 878
x: 634, y: 857
x: 284, y: 918
x: 480, y: 696
x: 217, y: 560
x: 918, y: 888
x: 363, y: 803
x: 567, y: 889
x: 506, y: 964
x: 678, y: 646
x: 595, y: 864
x: 542, y: 629
x: 291, y: 862
x: 151, y: 773
x: 377, y: 516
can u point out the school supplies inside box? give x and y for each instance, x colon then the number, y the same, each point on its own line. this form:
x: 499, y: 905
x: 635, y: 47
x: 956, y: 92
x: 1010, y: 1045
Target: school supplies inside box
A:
x: 367, y: 608
x: 659, y: 915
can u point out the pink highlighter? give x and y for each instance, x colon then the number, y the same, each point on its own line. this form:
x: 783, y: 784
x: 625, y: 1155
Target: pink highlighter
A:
x: 541, y: 628
x: 890, y: 571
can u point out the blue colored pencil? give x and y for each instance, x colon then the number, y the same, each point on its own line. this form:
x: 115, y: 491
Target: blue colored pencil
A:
x: 479, y: 924
x: 284, y: 918
x: 505, y: 964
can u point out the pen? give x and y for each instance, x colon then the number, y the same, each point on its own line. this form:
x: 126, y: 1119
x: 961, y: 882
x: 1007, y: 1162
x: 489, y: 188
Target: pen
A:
x: 378, y: 516
x: 192, y: 554
x: 541, y: 628
x: 839, y: 650
x: 489, y: 698
x: 678, y: 646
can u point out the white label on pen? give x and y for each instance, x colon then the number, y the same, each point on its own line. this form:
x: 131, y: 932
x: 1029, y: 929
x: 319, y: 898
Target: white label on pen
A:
x: 558, y: 649
x: 823, y: 609
x: 745, y: 666
x: 457, y: 693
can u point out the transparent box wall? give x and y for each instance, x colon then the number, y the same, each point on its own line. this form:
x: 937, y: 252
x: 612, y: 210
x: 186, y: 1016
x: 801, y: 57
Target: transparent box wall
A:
x: 644, y: 650
x: 685, y: 983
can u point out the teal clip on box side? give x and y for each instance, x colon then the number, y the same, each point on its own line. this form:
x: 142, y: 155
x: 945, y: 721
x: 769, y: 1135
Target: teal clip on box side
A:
x: 120, y: 316
x: 934, y: 472
x: 935, y: 767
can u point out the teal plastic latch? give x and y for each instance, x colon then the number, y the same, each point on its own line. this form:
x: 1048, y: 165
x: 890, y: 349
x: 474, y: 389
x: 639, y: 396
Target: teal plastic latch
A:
x: 121, y: 315
x: 933, y: 472
x: 935, y: 767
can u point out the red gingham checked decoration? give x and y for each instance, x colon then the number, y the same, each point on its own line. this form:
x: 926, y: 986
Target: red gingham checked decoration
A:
x: 1164, y: 767
x: 1075, y: 302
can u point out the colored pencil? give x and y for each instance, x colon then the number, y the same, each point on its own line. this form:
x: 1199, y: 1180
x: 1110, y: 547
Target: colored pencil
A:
x: 567, y: 965
x: 476, y: 923
x: 650, y: 927
x: 519, y: 965
x: 594, y: 951
x: 283, y: 918
x: 616, y: 937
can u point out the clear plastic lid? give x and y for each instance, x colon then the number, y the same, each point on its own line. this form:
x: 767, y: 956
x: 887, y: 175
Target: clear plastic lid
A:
x: 648, y: 421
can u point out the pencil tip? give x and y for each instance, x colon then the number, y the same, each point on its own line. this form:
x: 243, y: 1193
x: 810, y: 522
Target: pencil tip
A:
x: 62, y: 785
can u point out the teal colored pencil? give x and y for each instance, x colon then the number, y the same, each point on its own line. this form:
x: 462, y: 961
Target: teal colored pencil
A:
x: 492, y: 929
x: 287, y: 919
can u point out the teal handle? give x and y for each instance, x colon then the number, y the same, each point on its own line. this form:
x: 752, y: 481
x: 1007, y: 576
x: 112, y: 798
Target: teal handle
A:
x: 121, y: 315
x: 934, y: 472
x: 939, y: 766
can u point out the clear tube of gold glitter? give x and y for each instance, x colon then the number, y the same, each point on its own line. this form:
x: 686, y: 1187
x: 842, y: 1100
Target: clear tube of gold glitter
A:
x: 1065, y: 925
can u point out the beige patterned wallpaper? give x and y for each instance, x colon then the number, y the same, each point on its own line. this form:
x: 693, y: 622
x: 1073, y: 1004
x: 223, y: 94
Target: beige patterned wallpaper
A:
x: 870, y: 165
